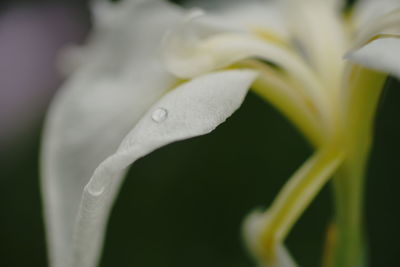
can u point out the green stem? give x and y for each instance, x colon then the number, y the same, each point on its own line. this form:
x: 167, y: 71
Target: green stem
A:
x: 349, y: 245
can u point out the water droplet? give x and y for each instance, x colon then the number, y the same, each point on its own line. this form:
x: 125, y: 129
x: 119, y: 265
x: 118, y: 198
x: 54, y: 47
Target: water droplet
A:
x: 159, y: 115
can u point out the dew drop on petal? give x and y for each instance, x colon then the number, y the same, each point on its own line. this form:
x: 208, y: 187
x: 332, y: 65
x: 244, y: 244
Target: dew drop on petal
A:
x: 159, y: 115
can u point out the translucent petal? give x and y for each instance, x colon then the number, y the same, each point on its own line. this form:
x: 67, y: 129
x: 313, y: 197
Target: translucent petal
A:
x: 195, y: 108
x: 117, y: 79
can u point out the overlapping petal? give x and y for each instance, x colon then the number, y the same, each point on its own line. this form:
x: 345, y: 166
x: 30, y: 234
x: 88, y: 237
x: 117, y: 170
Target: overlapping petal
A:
x: 366, y: 11
x: 244, y: 15
x: 187, y: 55
x: 194, y: 108
x: 118, y: 77
x: 377, y: 46
x: 121, y: 102
x: 317, y: 27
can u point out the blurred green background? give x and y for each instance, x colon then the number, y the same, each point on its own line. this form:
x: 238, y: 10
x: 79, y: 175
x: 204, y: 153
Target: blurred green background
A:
x: 183, y: 205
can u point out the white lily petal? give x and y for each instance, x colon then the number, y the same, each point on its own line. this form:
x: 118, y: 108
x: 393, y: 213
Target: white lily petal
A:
x: 382, y: 54
x: 195, y: 108
x: 382, y: 26
x: 317, y: 26
x: 244, y: 15
x: 117, y: 80
x: 219, y: 4
x: 366, y: 11
x: 187, y: 56
x: 335, y: 4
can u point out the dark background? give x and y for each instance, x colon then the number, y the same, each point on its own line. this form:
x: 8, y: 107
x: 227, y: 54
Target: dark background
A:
x: 183, y: 205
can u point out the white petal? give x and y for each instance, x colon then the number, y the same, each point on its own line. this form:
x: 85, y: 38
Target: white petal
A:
x: 193, y: 109
x: 384, y: 25
x: 317, y: 27
x: 186, y: 56
x: 366, y: 11
x: 118, y: 78
x: 243, y: 15
x: 336, y: 4
x: 218, y: 4
x: 381, y: 54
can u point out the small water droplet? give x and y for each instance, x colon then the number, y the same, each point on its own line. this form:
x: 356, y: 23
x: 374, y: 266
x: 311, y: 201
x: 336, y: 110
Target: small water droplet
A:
x: 159, y: 115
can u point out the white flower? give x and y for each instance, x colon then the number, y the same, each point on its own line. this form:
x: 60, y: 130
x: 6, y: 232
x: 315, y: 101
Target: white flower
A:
x: 328, y: 69
x: 152, y: 74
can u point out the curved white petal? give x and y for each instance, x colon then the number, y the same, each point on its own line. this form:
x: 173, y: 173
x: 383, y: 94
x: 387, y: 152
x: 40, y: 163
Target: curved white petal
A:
x: 384, y: 25
x: 366, y: 11
x: 187, y: 56
x: 116, y: 80
x: 243, y: 15
x: 382, y: 54
x: 195, y: 108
